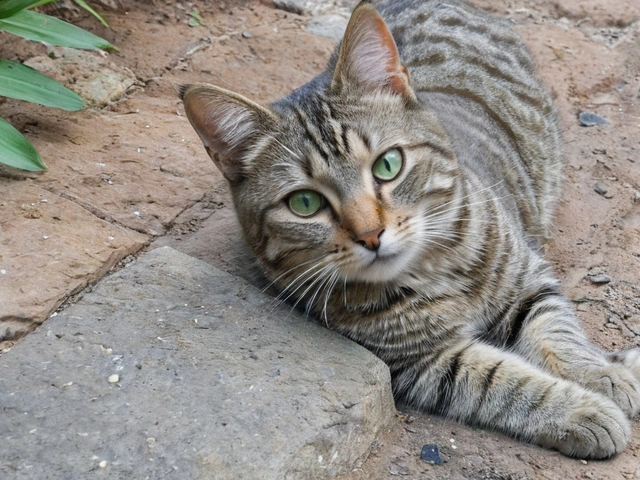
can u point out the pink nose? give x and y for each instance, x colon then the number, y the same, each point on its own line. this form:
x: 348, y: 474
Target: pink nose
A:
x: 370, y: 239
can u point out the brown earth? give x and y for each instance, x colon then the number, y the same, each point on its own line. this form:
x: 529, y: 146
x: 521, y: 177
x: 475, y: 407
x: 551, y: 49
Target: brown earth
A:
x: 133, y: 174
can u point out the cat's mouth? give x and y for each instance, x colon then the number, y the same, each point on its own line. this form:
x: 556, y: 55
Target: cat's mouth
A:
x: 384, y: 257
x: 382, y: 266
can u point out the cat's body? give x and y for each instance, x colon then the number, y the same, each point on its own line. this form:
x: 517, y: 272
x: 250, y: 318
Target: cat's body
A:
x: 406, y: 210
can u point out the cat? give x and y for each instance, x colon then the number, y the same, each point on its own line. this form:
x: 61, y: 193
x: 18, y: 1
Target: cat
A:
x: 403, y: 196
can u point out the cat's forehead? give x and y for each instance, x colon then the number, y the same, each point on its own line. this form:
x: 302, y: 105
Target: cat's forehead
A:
x: 337, y: 127
x: 333, y: 140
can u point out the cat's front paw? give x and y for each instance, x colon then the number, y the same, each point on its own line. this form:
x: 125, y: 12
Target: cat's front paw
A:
x: 617, y: 382
x: 630, y: 358
x: 596, y: 429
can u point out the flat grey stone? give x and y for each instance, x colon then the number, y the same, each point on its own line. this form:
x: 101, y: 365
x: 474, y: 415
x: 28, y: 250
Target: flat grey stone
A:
x: 588, y: 119
x: 303, y: 7
x: 315, y: 7
x: 331, y: 26
x: 213, y: 381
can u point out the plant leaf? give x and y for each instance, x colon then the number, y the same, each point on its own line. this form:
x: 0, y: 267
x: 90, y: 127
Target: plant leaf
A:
x: 16, y: 150
x: 195, y: 18
x: 42, y: 2
x: 11, y: 7
x: 44, y: 28
x: 25, y: 83
x: 88, y: 8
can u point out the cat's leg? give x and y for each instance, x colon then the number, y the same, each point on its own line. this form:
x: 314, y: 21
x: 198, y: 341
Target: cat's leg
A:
x: 481, y: 385
x: 547, y: 333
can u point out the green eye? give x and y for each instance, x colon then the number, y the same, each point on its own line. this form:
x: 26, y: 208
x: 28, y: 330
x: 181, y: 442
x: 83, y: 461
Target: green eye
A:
x: 388, y: 165
x: 305, y: 202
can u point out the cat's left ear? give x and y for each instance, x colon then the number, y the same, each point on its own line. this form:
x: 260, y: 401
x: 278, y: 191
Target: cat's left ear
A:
x: 228, y: 125
x: 369, y: 56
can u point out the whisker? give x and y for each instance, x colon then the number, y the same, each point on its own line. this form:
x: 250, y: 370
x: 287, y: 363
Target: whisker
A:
x: 344, y: 290
x: 436, y: 212
x: 293, y: 268
x: 322, y: 287
x: 335, y: 277
x: 307, y: 275
x: 319, y: 275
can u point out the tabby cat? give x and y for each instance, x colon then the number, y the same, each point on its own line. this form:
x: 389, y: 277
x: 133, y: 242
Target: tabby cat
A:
x: 402, y: 196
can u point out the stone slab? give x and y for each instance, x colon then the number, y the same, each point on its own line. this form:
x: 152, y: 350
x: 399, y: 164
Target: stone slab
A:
x: 331, y: 26
x: 214, y: 381
x: 217, y: 240
x: 102, y: 81
x: 50, y: 248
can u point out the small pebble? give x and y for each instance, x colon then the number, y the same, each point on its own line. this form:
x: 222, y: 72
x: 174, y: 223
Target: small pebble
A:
x: 599, y: 279
x: 588, y: 119
x: 430, y: 454
x: 584, y: 462
x: 600, y: 190
x: 247, y: 34
x: 103, y: 464
x: 115, y: 378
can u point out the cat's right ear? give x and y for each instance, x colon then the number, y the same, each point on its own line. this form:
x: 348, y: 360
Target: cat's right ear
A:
x: 369, y: 56
x: 227, y: 124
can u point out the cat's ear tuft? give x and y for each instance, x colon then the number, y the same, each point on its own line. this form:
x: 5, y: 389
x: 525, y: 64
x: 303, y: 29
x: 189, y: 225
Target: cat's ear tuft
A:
x: 181, y: 89
x: 227, y: 124
x: 369, y: 56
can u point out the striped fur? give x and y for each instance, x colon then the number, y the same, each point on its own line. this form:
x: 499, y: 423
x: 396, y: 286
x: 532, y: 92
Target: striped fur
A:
x: 454, y: 294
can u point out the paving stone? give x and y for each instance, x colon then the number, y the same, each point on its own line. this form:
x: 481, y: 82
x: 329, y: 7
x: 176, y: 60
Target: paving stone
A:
x: 171, y: 367
x: 50, y: 248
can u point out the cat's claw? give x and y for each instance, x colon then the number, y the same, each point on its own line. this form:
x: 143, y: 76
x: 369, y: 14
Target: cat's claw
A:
x: 595, y: 430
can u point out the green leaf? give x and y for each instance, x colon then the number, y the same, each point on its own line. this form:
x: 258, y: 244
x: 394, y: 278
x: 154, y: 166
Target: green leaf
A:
x: 16, y: 151
x: 42, y: 2
x: 25, y: 83
x: 84, y: 5
x: 195, y: 18
x: 43, y: 28
x: 11, y: 7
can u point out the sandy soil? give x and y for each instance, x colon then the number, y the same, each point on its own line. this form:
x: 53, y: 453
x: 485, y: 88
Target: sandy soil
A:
x: 133, y: 174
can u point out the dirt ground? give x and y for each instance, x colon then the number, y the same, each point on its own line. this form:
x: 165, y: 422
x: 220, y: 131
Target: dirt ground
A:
x: 133, y: 175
